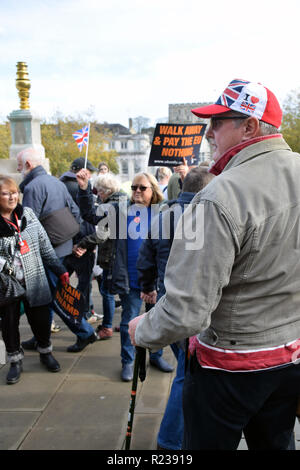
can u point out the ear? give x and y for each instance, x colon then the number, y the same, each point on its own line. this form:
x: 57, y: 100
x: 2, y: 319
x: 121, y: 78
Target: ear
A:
x: 251, y: 128
x: 28, y: 165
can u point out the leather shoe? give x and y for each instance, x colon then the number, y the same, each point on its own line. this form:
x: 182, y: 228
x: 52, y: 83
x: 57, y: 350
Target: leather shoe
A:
x: 30, y: 345
x: 14, y: 372
x: 127, y: 372
x: 82, y: 343
x: 49, y: 362
x: 161, y: 365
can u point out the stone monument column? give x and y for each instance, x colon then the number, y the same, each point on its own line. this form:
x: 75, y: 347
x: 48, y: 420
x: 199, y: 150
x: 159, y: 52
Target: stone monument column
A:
x: 25, y: 127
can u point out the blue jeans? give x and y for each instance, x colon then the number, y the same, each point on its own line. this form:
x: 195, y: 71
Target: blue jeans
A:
x: 170, y: 434
x: 131, y: 306
x: 108, y: 302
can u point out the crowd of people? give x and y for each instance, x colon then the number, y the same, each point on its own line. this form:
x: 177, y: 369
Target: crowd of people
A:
x: 225, y: 300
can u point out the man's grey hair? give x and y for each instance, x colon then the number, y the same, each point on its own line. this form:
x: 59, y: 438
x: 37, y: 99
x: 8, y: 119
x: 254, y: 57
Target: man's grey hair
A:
x: 107, y: 183
x: 32, y: 155
x: 265, y: 128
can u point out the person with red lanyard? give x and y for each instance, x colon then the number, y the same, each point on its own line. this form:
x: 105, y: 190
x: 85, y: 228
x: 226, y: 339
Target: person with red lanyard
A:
x: 24, y: 250
x: 236, y: 295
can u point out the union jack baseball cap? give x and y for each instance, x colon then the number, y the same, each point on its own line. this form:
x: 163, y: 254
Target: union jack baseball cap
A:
x: 249, y: 98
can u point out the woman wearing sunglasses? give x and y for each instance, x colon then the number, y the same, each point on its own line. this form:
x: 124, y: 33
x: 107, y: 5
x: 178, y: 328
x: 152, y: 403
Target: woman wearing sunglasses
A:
x: 122, y: 270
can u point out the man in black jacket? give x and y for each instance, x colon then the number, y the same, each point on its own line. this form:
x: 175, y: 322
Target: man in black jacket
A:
x: 44, y: 194
x: 83, y: 266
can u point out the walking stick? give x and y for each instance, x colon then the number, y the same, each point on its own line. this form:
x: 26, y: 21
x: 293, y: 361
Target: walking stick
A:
x: 138, y: 372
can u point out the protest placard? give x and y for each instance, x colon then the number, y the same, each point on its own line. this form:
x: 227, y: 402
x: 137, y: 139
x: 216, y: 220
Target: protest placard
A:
x: 68, y: 303
x: 172, y: 142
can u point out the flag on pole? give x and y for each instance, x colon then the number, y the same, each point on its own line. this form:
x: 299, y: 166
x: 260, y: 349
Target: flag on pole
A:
x: 82, y: 137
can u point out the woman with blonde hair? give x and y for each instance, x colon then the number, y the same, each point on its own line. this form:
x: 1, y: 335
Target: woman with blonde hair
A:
x: 149, y: 182
x: 122, y: 272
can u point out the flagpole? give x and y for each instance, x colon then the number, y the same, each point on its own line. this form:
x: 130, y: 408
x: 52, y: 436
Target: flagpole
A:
x: 87, y: 148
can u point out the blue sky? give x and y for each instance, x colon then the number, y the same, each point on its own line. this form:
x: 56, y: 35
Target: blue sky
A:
x: 135, y: 57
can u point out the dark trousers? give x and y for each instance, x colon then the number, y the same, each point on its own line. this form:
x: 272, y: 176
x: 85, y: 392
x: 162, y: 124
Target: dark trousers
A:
x: 218, y: 406
x: 38, y: 318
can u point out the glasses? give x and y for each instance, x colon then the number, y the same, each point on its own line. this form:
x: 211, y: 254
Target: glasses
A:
x: 214, y: 121
x: 134, y: 187
x: 9, y: 194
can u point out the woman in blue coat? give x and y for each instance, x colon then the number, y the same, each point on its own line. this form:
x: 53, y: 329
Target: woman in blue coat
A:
x: 129, y: 230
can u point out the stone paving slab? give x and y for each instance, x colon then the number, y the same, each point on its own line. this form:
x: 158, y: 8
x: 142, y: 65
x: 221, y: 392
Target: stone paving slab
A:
x: 81, y: 416
x: 36, y: 387
x: 14, y: 428
x: 145, y: 430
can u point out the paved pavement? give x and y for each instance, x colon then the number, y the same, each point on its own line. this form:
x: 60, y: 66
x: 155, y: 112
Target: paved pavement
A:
x: 84, y: 406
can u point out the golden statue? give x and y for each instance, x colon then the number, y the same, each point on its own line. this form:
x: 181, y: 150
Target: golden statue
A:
x: 23, y: 84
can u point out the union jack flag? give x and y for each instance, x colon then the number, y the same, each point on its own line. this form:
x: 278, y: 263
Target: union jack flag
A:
x: 81, y: 137
x: 231, y: 93
x: 247, y: 106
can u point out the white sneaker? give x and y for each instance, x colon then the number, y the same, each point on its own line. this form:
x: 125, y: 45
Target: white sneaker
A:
x: 98, y: 315
x: 94, y: 318
x: 55, y: 328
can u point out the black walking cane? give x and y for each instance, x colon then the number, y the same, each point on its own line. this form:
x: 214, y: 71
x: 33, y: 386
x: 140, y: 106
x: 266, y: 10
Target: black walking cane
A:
x: 138, y: 372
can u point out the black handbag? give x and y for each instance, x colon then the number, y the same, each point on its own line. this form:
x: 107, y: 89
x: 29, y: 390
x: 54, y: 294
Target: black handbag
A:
x: 10, y: 288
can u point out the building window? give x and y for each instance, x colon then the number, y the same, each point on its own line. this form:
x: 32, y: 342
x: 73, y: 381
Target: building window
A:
x: 137, y: 166
x: 123, y: 145
x: 124, y: 167
x: 112, y: 145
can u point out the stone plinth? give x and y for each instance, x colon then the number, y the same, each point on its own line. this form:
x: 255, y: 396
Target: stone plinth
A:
x: 8, y: 167
x: 25, y: 132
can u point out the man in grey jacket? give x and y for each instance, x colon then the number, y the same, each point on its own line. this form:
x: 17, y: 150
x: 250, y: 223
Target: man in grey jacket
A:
x: 44, y: 194
x: 235, y: 291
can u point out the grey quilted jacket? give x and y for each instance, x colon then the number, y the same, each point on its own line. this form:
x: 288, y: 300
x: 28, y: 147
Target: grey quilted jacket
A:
x: 40, y: 253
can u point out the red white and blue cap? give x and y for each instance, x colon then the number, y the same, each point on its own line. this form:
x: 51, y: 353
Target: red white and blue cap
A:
x: 245, y: 97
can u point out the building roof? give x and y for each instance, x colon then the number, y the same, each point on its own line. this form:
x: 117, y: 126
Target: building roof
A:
x: 115, y: 129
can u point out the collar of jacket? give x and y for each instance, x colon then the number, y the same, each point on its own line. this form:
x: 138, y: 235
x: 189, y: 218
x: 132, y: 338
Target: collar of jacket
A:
x: 68, y: 175
x: 6, y: 230
x: 37, y: 171
x: 185, y: 197
x: 115, y: 197
x: 221, y: 163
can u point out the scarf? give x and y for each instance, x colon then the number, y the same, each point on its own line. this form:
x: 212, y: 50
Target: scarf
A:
x: 219, y: 165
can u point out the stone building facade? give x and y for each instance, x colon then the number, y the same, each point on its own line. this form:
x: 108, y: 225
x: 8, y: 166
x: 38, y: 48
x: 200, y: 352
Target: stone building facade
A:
x: 133, y: 151
x: 181, y: 114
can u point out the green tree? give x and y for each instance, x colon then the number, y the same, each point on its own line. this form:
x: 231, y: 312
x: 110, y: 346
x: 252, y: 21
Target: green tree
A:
x: 5, y: 140
x: 61, y: 148
x: 290, y: 127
